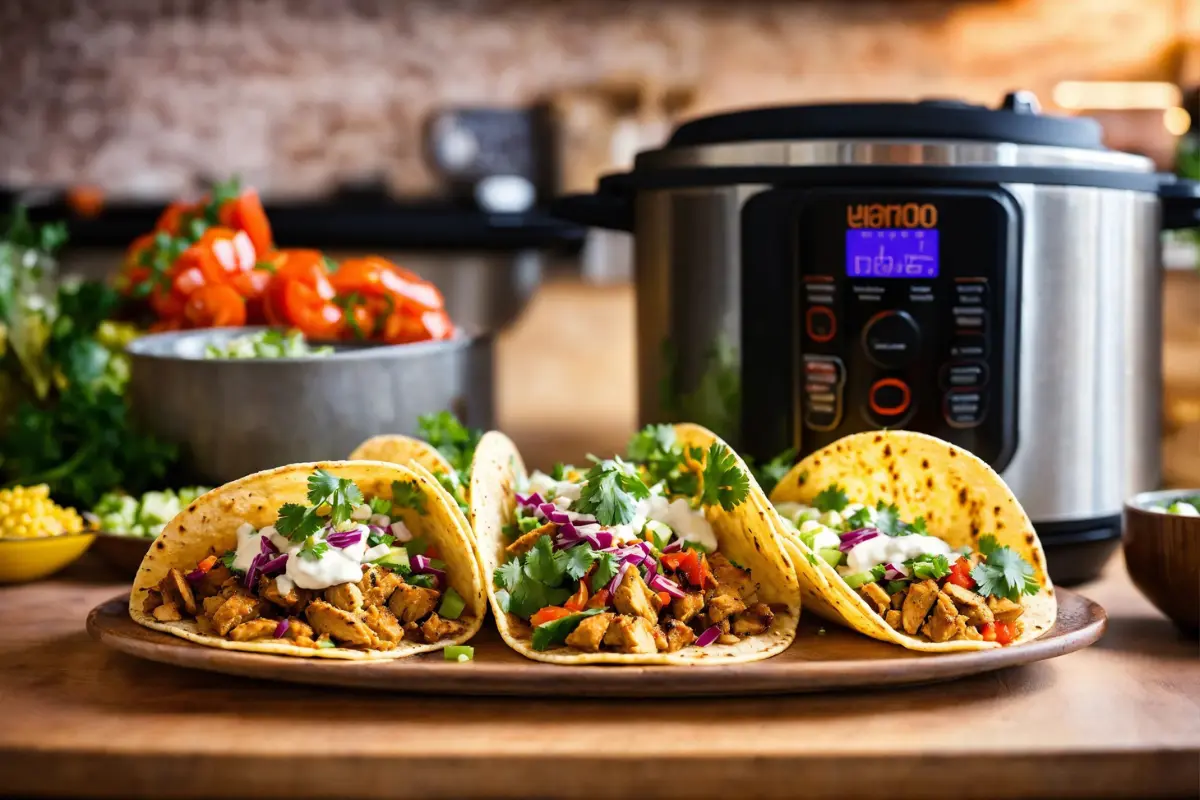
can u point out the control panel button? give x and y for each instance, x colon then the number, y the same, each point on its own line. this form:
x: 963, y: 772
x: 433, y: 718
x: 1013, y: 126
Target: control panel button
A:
x: 889, y: 401
x: 824, y: 383
x: 891, y: 339
x: 969, y: 346
x: 961, y: 374
x: 964, y: 408
x: 820, y: 324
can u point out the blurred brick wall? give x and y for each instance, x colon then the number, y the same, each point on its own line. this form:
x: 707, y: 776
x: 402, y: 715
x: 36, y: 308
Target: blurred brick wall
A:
x: 149, y: 96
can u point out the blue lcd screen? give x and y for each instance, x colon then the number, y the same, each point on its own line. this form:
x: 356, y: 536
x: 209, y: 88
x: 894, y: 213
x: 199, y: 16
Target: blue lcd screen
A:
x: 872, y: 253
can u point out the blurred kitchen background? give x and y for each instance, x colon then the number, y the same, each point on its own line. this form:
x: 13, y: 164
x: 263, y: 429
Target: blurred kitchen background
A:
x: 436, y: 130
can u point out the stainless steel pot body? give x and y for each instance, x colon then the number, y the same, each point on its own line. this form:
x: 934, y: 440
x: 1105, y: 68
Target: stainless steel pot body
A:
x: 1089, y: 344
x: 236, y: 417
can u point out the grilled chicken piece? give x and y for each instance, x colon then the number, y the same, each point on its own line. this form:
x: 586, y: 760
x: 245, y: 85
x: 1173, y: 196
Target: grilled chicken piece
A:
x: 963, y: 629
x: 943, y: 620
x: 299, y: 632
x: 892, y: 617
x: 339, y: 624
x: 254, y: 629
x: 175, y: 589
x: 211, y: 604
x: 631, y: 635
x: 377, y: 585
x: 590, y: 633
x: 524, y: 543
x: 345, y: 596
x: 898, y: 598
x: 435, y: 628
x: 385, y: 626
x: 678, y: 635
x: 167, y: 612
x: 293, y: 602
x: 686, y: 607
x: 754, y: 620
x: 633, y: 597
x: 921, y: 597
x: 876, y: 597
x: 234, y: 611
x: 722, y: 605
x: 734, y: 580
x: 153, y: 600
x: 211, y: 583
x: 411, y: 603
x: 969, y: 604
x: 1003, y: 609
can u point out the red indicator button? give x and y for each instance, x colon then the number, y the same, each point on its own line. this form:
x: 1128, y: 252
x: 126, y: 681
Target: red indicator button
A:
x: 820, y: 324
x: 889, y: 397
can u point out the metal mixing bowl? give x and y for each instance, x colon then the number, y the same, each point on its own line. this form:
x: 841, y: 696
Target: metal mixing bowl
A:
x: 234, y: 417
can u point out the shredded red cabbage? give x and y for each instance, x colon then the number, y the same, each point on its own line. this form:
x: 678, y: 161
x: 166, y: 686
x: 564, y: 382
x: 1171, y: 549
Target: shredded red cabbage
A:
x: 421, y: 566
x: 534, y: 499
x: 852, y: 539
x: 266, y: 546
x: 894, y: 572
x: 708, y: 637
x: 675, y: 546
x: 195, y: 576
x: 274, y: 566
x: 661, y: 583
x: 282, y: 628
x: 344, y: 539
x: 254, y: 569
x: 572, y: 534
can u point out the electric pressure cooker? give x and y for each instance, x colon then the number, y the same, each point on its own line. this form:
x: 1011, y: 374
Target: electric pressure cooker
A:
x: 991, y: 277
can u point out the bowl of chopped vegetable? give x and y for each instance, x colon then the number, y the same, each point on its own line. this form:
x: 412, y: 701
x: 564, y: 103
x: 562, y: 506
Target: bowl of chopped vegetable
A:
x: 240, y: 400
x: 126, y: 525
x: 37, y: 536
x: 1162, y: 552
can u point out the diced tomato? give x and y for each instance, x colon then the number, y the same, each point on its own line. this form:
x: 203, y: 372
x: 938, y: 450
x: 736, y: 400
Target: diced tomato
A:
x: 664, y: 599
x: 693, y: 565
x: 206, y: 564
x: 960, y: 574
x: 215, y: 306
x: 599, y: 599
x: 245, y: 213
x: 252, y: 286
x: 188, y: 280
x: 167, y: 304
x: 376, y: 275
x: 999, y: 632
x: 548, y: 614
x: 304, y: 308
x: 432, y: 552
x: 578, y: 601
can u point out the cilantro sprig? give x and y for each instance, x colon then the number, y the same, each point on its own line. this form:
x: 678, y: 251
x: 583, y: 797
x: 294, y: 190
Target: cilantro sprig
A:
x: 772, y: 472
x: 725, y: 483
x: 408, y: 494
x: 452, y: 439
x: 656, y: 449
x: 325, y: 489
x: 535, y: 580
x: 1003, y: 572
x: 611, y: 492
x: 887, y: 520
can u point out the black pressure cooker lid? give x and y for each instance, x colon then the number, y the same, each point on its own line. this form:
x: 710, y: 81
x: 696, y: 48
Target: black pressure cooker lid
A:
x: 1017, y: 121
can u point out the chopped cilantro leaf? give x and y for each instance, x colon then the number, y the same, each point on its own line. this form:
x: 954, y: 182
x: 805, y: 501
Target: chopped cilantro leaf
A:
x: 375, y: 539
x: 297, y: 522
x: 811, y: 558
x: 771, y: 473
x: 988, y: 544
x: 606, y: 569
x: 502, y: 598
x: 228, y: 558
x: 831, y: 498
x: 544, y: 565
x: 928, y: 566
x: 895, y: 586
x: 451, y: 484
x: 611, y: 492
x: 877, y: 572
x: 381, y: 505
x: 859, y: 519
x: 508, y: 574
x: 887, y: 520
x: 1004, y: 573
x: 313, y: 549
x: 725, y: 483
x: 417, y: 545
x: 557, y: 631
x: 451, y: 438
x: 579, y: 560
x: 918, y: 527
x: 559, y: 472
x: 652, y: 442
x: 424, y: 581
x: 529, y: 597
x: 408, y: 494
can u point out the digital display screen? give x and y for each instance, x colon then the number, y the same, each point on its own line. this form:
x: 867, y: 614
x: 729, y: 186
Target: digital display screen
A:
x: 875, y: 253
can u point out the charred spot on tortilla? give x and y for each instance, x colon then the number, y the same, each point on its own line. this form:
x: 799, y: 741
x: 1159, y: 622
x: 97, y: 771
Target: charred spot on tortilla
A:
x: 159, y: 544
x: 924, y: 463
x: 1029, y: 538
x: 962, y: 496
x: 878, y: 438
x: 929, y: 483
x: 887, y: 451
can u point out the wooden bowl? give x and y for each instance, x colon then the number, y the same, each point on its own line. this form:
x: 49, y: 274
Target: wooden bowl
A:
x: 1162, y: 553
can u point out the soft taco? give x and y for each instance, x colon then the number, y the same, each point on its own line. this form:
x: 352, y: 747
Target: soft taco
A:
x: 911, y: 540
x: 667, y: 556
x: 445, y: 451
x: 340, y: 559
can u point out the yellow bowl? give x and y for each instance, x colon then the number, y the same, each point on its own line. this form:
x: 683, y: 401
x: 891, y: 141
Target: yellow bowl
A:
x: 24, y: 560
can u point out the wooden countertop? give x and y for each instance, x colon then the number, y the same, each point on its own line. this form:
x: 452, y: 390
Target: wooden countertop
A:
x: 1121, y: 719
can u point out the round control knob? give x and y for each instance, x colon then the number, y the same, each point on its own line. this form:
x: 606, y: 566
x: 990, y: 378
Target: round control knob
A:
x: 889, y: 401
x: 891, y: 339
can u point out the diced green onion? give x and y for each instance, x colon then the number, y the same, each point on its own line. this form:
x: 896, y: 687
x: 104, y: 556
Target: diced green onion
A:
x: 858, y: 579
x: 325, y: 644
x: 452, y: 605
x: 831, y: 555
x: 459, y: 652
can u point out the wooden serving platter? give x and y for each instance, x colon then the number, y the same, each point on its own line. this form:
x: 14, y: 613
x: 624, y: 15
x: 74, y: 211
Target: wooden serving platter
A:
x: 824, y: 657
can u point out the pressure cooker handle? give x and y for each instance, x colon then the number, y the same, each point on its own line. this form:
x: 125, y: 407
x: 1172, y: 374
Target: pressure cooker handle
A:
x: 1181, y: 204
x: 600, y: 210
